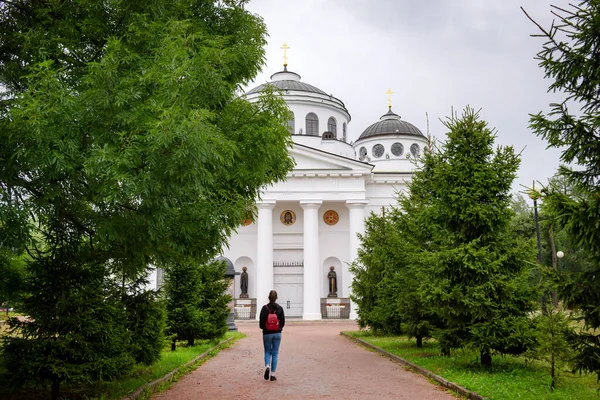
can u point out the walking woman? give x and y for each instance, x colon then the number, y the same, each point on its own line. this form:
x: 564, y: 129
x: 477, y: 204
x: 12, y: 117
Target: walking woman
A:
x: 271, y: 322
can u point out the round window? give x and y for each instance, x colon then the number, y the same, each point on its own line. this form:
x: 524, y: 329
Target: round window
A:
x: 362, y: 153
x: 378, y: 150
x: 397, y: 149
x: 415, y: 150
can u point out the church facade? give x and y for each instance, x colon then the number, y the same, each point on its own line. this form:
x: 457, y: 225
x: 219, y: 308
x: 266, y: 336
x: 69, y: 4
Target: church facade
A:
x: 309, y: 223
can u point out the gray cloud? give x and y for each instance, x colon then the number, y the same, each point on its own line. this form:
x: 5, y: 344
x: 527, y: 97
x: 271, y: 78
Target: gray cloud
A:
x: 435, y: 55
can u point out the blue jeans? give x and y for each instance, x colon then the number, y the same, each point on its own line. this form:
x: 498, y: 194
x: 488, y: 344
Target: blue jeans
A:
x: 271, y: 341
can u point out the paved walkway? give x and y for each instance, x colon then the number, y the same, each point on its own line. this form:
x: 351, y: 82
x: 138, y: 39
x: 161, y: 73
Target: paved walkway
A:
x: 315, y: 362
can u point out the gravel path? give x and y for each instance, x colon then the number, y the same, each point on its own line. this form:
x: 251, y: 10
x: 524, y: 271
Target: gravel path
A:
x: 315, y: 362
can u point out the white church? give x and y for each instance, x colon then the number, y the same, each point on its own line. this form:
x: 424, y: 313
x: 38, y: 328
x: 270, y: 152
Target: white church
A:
x: 309, y: 223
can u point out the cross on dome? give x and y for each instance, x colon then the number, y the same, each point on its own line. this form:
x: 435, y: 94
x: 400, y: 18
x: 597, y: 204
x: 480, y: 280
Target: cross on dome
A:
x: 389, y: 93
x: 285, y: 47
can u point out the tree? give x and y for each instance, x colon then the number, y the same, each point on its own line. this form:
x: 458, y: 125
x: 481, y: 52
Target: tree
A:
x: 373, y: 289
x: 197, y: 303
x: 476, y: 266
x: 552, y: 331
x: 146, y: 318
x: 123, y: 144
x: 569, y: 58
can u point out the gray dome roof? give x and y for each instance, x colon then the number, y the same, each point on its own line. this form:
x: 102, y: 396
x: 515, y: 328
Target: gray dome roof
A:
x: 289, y: 84
x: 390, y: 124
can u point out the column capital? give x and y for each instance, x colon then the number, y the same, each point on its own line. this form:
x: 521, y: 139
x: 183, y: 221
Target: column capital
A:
x: 309, y: 204
x: 358, y: 203
x: 266, y: 204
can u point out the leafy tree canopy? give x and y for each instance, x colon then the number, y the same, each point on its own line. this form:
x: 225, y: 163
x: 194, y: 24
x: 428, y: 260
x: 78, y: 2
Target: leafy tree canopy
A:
x: 123, y: 142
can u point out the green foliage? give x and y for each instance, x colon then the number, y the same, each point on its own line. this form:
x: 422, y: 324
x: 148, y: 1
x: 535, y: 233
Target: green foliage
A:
x: 570, y: 60
x: 511, y: 377
x: 146, y: 319
x: 197, y: 306
x: 123, y: 144
x: 552, y: 330
x: 447, y: 261
x: 373, y: 289
x: 76, y: 331
x: 476, y: 266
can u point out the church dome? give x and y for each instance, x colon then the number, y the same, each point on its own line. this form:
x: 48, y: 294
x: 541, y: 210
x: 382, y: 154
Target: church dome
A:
x: 287, y: 80
x: 390, y: 124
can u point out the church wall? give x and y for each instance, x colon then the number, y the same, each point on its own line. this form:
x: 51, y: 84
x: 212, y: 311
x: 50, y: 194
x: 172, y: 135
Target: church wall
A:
x: 242, y: 249
x: 331, y: 146
x: 322, y: 111
x: 319, y: 187
x: 382, y: 195
x: 389, y: 162
x: 334, y: 245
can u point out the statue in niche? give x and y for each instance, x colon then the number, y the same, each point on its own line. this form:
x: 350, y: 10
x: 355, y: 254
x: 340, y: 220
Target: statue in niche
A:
x: 244, y: 283
x: 332, y: 279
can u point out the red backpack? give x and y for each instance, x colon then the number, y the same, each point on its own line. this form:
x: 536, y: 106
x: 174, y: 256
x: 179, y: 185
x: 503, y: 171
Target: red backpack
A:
x: 272, y: 320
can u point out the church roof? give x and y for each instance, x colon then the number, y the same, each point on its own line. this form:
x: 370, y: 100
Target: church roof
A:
x: 390, y: 124
x: 287, y: 80
x: 288, y: 85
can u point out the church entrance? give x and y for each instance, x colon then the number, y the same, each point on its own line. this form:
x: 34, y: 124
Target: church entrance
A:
x: 289, y: 284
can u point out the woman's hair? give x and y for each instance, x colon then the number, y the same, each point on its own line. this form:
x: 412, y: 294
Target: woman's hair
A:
x: 272, y: 296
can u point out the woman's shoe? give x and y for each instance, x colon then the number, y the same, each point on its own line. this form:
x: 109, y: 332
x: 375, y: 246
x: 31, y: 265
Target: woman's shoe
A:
x: 267, y: 374
x: 273, y: 378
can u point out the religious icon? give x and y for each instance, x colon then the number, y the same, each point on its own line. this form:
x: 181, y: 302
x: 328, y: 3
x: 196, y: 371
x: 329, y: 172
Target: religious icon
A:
x: 331, y: 217
x: 247, y: 221
x: 287, y: 217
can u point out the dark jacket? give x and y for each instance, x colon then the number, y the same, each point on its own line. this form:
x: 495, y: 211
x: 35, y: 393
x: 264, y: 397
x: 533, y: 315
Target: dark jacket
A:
x: 264, y: 313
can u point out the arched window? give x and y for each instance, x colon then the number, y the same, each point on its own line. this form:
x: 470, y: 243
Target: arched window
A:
x: 332, y: 126
x: 344, y: 132
x: 291, y: 124
x: 312, y: 124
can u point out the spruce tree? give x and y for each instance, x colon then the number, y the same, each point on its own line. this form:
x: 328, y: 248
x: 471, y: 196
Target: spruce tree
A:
x: 476, y: 266
x: 196, y: 300
x: 570, y: 60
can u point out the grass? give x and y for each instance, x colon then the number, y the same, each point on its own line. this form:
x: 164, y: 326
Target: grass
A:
x: 140, y: 375
x: 509, y: 378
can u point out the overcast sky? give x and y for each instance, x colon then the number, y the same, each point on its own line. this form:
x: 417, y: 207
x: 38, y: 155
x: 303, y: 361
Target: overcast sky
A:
x: 435, y: 55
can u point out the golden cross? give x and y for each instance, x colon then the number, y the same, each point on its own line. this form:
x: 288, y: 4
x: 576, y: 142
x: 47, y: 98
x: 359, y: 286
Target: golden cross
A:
x: 389, y: 93
x: 285, y: 47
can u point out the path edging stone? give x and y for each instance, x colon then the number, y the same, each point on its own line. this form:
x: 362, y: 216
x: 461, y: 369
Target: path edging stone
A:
x: 152, y: 385
x: 418, y: 369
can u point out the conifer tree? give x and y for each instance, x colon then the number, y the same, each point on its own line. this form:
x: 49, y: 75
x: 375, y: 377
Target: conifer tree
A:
x: 570, y: 60
x: 476, y: 266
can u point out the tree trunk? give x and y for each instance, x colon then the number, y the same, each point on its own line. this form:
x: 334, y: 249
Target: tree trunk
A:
x: 55, y: 389
x: 173, y: 346
x: 445, y: 352
x: 554, y: 263
x: 552, y: 373
x: 419, y: 341
x: 486, y: 358
x: 191, y: 341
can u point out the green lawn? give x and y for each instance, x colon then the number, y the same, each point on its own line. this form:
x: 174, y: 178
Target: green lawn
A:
x: 140, y: 375
x: 509, y: 378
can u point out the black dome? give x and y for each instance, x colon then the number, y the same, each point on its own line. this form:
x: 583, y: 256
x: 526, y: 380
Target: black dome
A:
x: 390, y: 124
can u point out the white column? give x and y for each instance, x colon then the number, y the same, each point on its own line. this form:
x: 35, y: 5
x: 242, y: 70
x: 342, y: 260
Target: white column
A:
x: 312, y: 299
x: 264, y: 253
x: 356, y: 225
